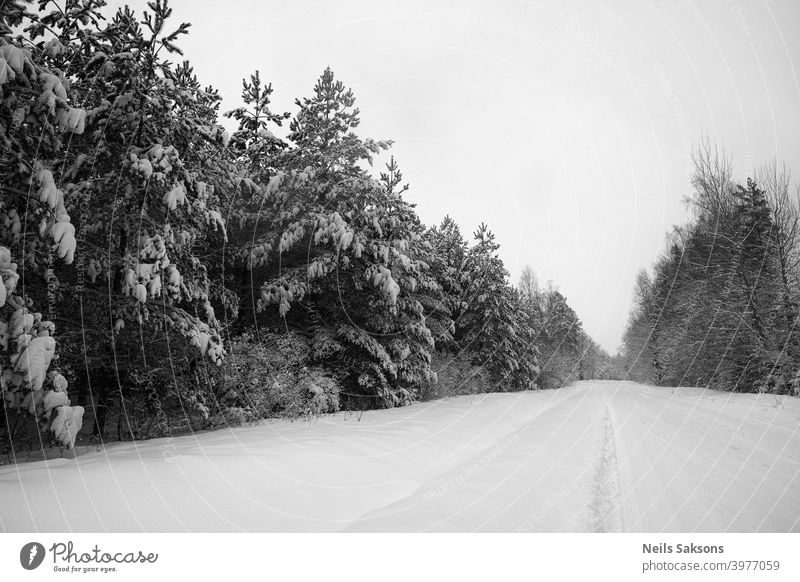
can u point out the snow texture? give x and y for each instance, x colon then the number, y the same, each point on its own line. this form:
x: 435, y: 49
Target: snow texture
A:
x: 176, y: 195
x: 35, y: 359
x: 71, y: 119
x: 66, y: 423
x: 598, y: 456
x: 12, y: 62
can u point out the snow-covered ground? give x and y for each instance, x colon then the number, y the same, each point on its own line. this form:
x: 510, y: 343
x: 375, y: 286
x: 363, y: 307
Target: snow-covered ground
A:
x: 598, y: 456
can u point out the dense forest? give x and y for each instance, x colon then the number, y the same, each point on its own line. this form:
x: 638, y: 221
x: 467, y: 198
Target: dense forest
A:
x: 161, y: 276
x: 720, y: 306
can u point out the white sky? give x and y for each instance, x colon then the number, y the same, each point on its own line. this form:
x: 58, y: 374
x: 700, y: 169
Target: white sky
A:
x: 565, y: 126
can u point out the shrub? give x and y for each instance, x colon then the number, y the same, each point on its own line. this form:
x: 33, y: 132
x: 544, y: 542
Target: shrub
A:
x: 550, y: 380
x: 455, y: 376
x: 268, y: 376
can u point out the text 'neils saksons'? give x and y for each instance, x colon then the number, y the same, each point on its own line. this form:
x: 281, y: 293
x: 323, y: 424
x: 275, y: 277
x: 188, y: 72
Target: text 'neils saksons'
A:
x: 663, y: 548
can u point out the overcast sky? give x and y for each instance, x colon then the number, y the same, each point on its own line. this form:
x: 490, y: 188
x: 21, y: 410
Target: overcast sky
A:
x: 565, y: 126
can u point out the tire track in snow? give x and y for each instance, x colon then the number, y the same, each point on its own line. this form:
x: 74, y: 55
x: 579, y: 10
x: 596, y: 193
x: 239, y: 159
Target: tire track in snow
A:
x: 604, y: 508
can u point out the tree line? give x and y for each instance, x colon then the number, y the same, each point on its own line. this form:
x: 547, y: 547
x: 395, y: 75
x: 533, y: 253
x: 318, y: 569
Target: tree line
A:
x: 720, y: 306
x: 160, y: 275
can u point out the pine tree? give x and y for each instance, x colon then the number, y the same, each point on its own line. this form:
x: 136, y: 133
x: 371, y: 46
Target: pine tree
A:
x: 30, y: 130
x: 259, y: 158
x: 338, y: 255
x: 447, y: 261
x: 493, y: 325
x: 130, y: 174
x: 254, y: 139
x: 559, y: 338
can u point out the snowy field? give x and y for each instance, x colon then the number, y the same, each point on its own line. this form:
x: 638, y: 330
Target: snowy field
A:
x: 598, y: 456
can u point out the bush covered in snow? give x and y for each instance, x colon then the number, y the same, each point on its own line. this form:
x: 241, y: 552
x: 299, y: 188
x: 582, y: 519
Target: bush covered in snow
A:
x: 270, y: 375
x: 456, y: 376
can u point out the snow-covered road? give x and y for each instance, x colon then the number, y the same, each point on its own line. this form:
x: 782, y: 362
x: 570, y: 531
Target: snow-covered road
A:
x: 598, y: 456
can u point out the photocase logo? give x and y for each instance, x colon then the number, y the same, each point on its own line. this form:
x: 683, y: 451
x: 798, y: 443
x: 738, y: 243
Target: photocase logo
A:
x: 31, y: 555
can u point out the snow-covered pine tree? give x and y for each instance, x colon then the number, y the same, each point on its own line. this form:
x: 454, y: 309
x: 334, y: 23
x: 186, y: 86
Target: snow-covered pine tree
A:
x: 34, y: 106
x: 338, y: 254
x: 494, y: 325
x: 560, y: 340
x: 254, y: 140
x: 448, y: 253
x: 258, y: 153
x: 136, y: 162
